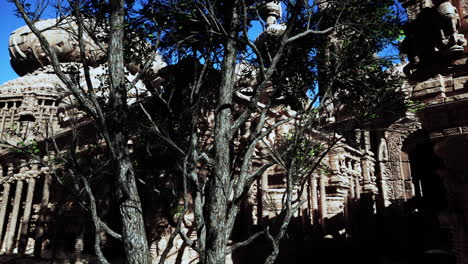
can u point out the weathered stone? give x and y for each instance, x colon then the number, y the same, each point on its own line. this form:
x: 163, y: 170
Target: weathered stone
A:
x: 460, y: 83
x: 27, y: 54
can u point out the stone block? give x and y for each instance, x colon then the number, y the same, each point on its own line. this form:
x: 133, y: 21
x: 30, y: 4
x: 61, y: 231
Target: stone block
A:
x: 457, y: 97
x: 434, y: 101
x: 452, y: 131
x: 436, y: 134
x: 448, y: 84
x: 460, y: 83
x: 430, y: 87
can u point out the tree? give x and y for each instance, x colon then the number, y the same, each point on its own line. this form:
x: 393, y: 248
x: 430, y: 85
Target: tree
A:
x: 321, y: 52
x: 110, y: 124
x: 333, y: 42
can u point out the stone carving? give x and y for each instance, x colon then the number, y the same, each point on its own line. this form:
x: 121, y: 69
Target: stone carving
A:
x: 273, y: 29
x: 27, y: 54
x: 393, y: 171
x: 383, y: 150
x: 271, y: 12
x: 451, y: 42
x: 433, y: 36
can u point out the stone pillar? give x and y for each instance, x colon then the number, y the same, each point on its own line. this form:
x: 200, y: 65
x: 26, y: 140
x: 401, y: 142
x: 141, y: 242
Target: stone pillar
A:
x: 10, y: 238
x: 2, y: 125
x: 34, y: 172
x: 367, y: 144
x: 313, y: 199
x: 357, y: 186
x: 5, y: 202
x: 365, y: 170
x: 78, y: 249
x: 323, y: 201
x: 383, y: 186
x: 272, y: 9
x: 346, y: 214
x: 40, y: 226
x: 154, y: 250
x: 305, y: 216
x: 368, y: 185
x: 253, y: 202
x: 12, y: 119
x: 264, y: 196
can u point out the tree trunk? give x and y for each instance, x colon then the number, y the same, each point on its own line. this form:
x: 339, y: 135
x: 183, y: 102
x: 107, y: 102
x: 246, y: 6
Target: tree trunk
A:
x: 217, y: 196
x: 133, y: 228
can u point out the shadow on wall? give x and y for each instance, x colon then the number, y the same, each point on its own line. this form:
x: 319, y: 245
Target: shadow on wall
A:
x: 399, y: 234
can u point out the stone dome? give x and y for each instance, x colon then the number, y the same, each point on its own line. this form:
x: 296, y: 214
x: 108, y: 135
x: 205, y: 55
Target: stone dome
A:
x: 27, y: 55
x: 46, y: 83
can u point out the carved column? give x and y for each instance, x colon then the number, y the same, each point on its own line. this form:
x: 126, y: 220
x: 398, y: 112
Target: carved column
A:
x: 323, y: 201
x: 394, y: 182
x: 382, y: 158
x: 357, y: 188
x: 5, y: 202
x: 365, y: 170
x: 253, y: 201
x: 313, y: 199
x: 10, y: 238
x: 305, y: 216
x: 367, y: 144
x: 34, y: 172
x: 2, y: 125
x: 40, y: 226
x: 264, y: 195
x: 12, y: 119
x: 10, y: 179
x: 79, y: 246
x: 368, y: 173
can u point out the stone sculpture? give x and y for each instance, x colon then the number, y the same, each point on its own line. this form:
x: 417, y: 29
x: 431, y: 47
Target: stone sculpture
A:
x: 451, y: 42
x: 433, y: 36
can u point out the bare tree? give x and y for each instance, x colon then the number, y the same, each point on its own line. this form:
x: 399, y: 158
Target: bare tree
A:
x: 111, y: 125
x: 253, y: 75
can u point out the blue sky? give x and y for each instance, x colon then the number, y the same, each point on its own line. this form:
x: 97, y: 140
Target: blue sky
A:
x: 8, y: 22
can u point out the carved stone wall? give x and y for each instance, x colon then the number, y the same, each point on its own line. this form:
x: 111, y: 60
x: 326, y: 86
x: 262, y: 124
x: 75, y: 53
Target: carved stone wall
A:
x: 441, y: 88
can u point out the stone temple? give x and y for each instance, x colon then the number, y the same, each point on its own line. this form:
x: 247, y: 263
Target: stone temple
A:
x: 395, y: 192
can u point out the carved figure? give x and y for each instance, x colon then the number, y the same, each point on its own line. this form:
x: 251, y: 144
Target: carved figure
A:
x: 451, y: 42
x: 271, y: 12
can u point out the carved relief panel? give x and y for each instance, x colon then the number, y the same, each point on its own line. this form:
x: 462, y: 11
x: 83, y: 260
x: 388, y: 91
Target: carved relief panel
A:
x: 392, y: 183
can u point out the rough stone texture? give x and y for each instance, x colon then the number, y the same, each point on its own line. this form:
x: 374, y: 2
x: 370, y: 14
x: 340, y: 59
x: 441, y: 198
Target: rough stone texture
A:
x: 27, y: 54
x: 443, y: 91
